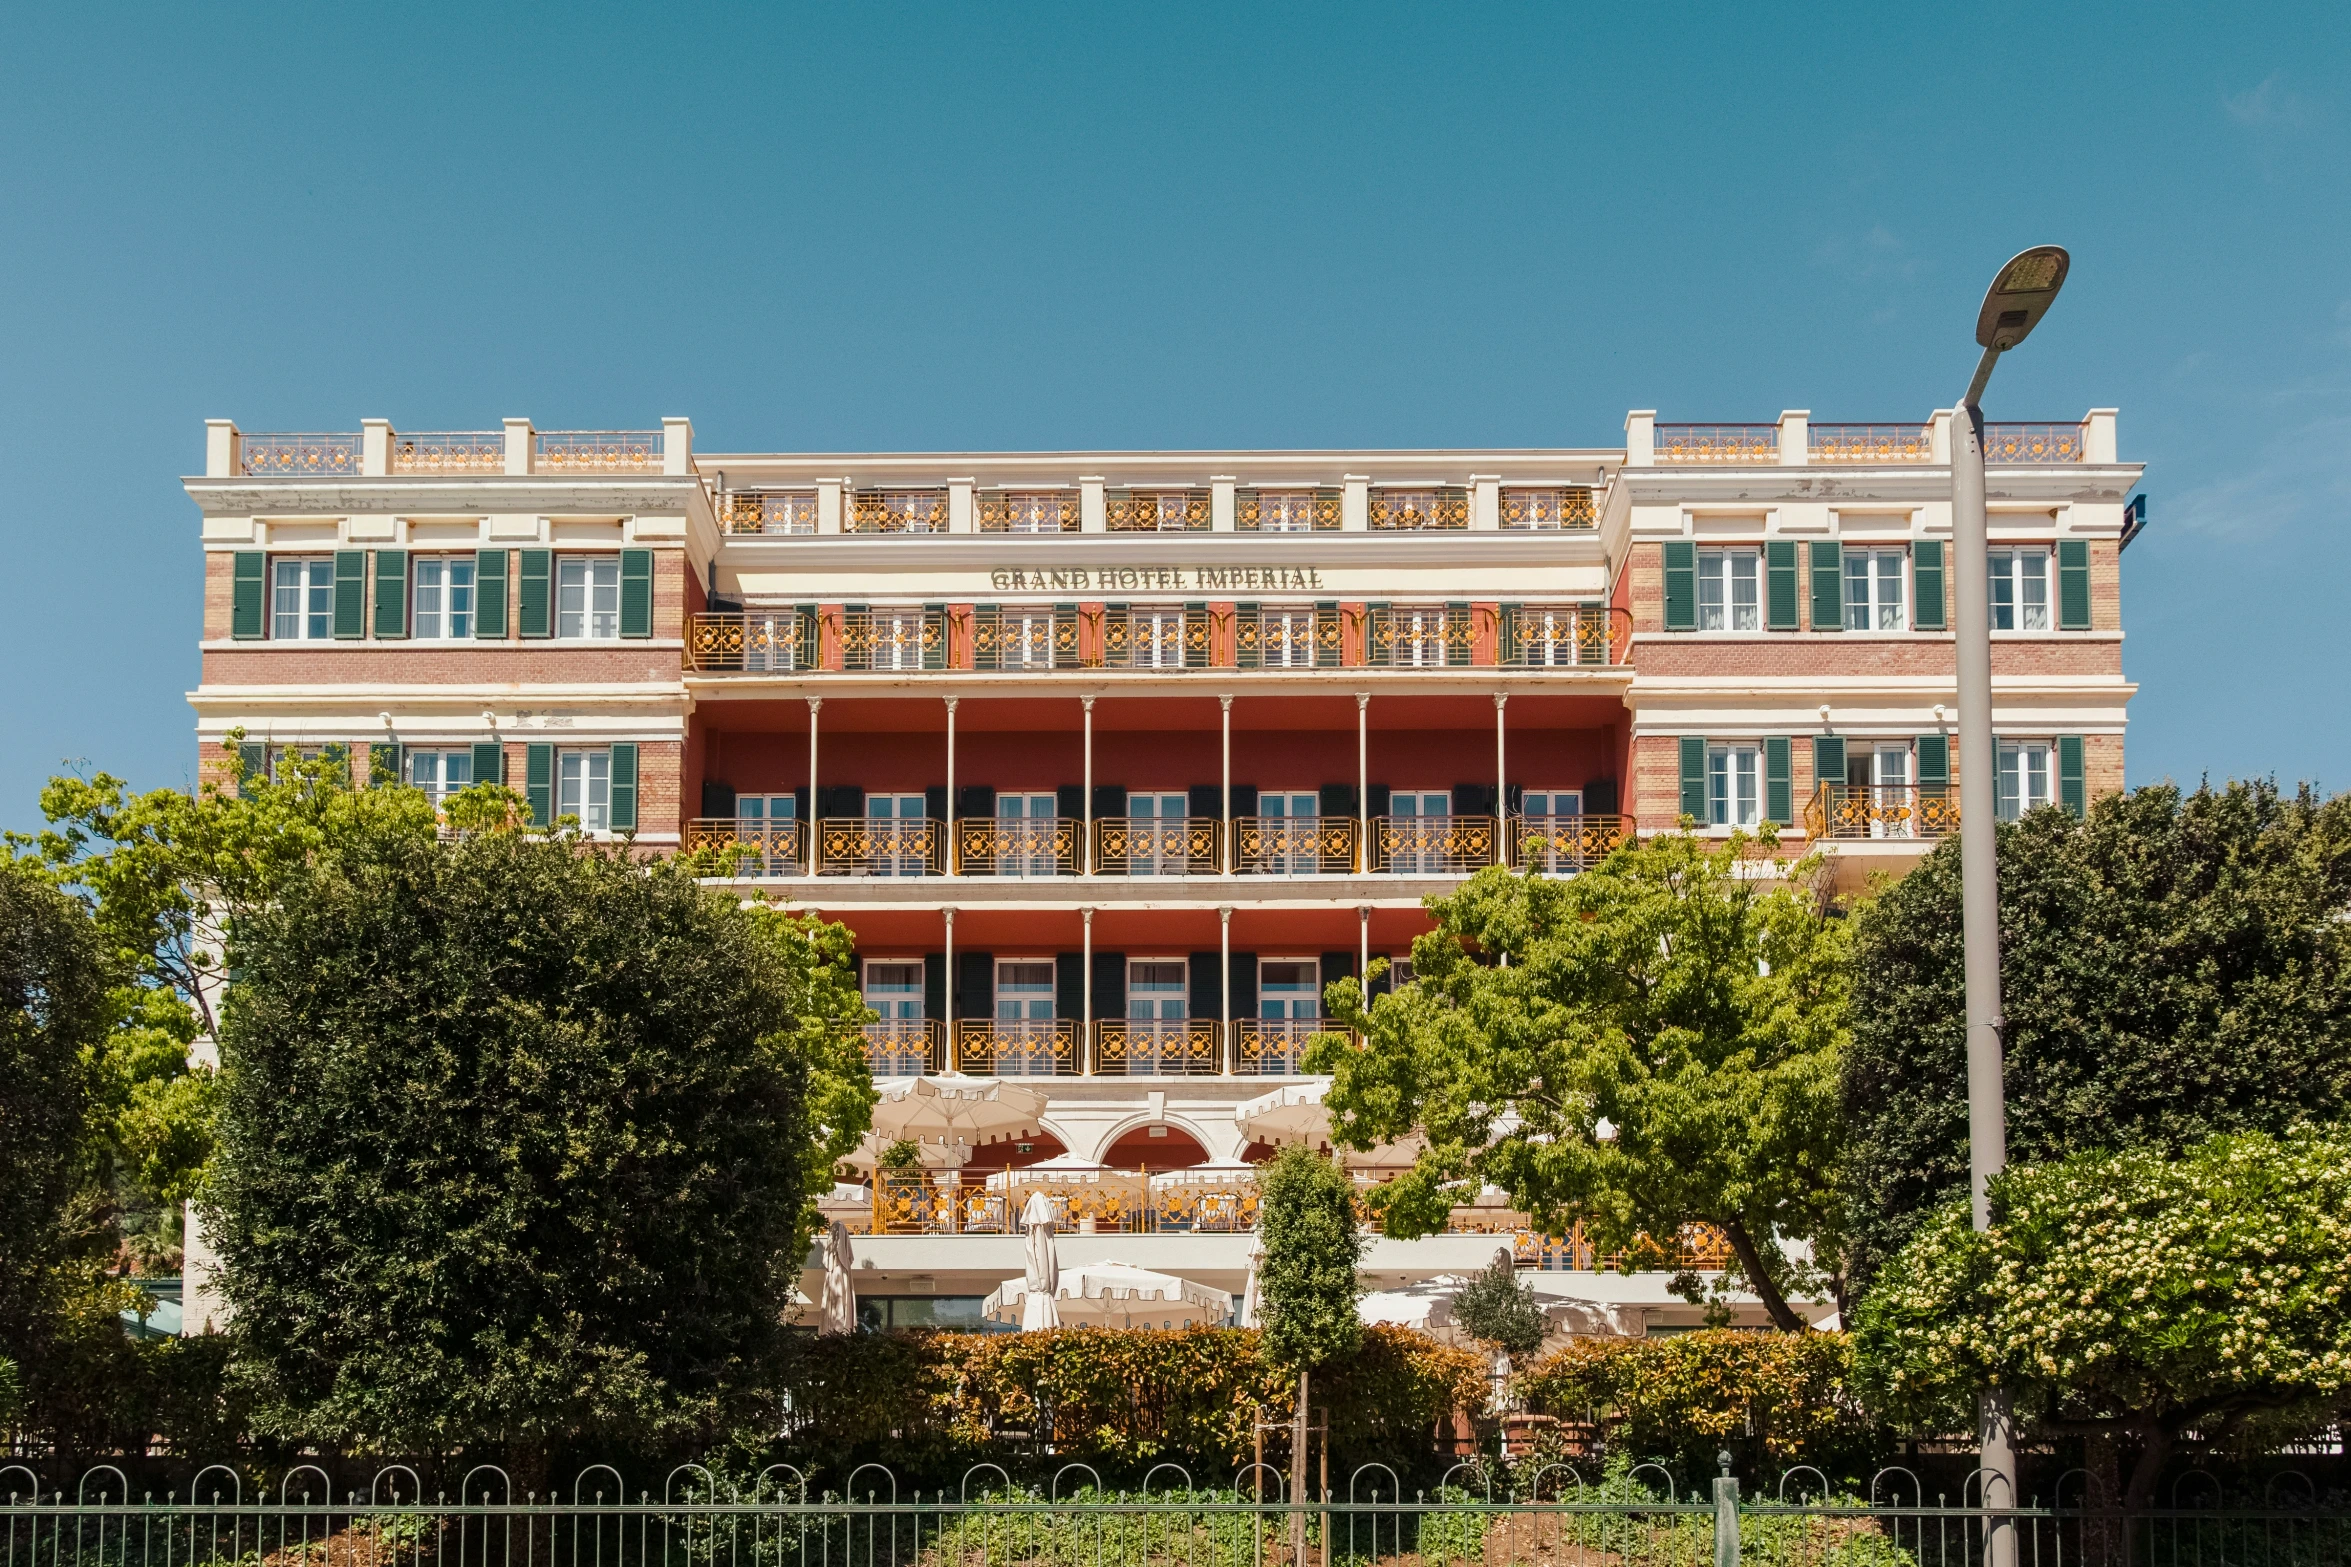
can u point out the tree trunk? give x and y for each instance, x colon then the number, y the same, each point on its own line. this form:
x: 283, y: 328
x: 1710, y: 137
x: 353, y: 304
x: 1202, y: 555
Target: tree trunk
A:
x: 1766, y: 1288
x: 1298, y: 1476
x: 2155, y: 1439
x: 2102, y: 1534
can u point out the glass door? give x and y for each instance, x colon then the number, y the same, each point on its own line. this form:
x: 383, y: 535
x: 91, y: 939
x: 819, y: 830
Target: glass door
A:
x: 1289, y: 1007
x: 1556, y: 817
x: 1026, y: 826
x: 1290, y: 823
x: 898, y: 827
x: 1025, y: 1028
x: 899, y: 1044
x: 1420, y: 831
x: 1159, y: 1004
x: 1157, y: 635
x: 764, y: 824
x: 1156, y: 837
x: 1286, y: 638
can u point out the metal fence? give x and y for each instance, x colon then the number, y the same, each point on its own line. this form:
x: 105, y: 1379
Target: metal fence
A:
x: 778, y: 1519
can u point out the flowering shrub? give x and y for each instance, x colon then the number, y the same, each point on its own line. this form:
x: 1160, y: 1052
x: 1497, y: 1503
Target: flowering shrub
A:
x: 2129, y: 1297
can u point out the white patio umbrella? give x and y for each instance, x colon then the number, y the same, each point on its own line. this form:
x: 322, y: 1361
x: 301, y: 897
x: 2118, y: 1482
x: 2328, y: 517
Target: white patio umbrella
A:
x: 1295, y: 1113
x: 1252, y: 1295
x: 1039, y: 1310
x: 1425, y: 1307
x: 1115, y: 1295
x: 839, y: 1312
x: 867, y: 1155
x: 957, y: 1110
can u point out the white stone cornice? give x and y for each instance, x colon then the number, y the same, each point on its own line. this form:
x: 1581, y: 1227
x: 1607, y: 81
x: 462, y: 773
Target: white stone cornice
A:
x: 1045, y: 551
x: 454, y: 495
x: 1856, y: 485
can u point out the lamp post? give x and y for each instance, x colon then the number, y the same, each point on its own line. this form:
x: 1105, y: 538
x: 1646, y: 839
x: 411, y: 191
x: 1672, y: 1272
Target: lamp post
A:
x: 2018, y: 298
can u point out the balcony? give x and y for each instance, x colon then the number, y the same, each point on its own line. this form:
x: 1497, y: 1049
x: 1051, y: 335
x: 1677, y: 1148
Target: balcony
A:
x: 897, y: 511
x: 1293, y: 845
x: 757, y: 848
x: 905, y: 1047
x: 1156, y: 511
x: 878, y: 846
x: 449, y: 451
x: 299, y: 456
x: 1868, y: 443
x: 768, y: 511
x: 1431, y: 636
x: 991, y: 846
x: 1300, y: 638
x: 1158, y: 1047
x: 1712, y: 444
x: 1862, y: 811
x: 752, y: 643
x: 2035, y: 443
x: 1029, y: 511
x: 1569, y: 508
x: 1276, y: 1047
x: 1565, y: 845
x: 1433, y: 845
x: 891, y: 639
x: 1157, y: 846
x: 1415, y: 511
x: 1287, y: 511
x: 1559, y: 636
x: 596, y: 451
x: 1032, y: 1048
x: 1160, y: 637
x: 1024, y: 639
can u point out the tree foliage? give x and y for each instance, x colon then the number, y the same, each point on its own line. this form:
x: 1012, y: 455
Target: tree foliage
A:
x: 1695, y: 1009
x: 1495, y: 1308
x: 2131, y: 1297
x: 2171, y: 968
x: 1306, y: 1227
x: 511, y: 1144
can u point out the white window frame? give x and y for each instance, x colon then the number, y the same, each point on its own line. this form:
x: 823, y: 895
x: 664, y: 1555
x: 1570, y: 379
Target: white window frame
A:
x: 2011, y: 582
x: 1734, y: 785
x: 1715, y: 570
x: 439, y: 764
x: 441, y: 622
x: 312, y: 617
x: 587, y: 609
x: 2024, y: 776
x: 1182, y: 995
x: 1869, y: 610
x: 577, y: 786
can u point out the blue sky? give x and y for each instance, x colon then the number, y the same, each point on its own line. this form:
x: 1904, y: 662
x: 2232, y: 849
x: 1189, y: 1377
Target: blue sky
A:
x: 991, y: 226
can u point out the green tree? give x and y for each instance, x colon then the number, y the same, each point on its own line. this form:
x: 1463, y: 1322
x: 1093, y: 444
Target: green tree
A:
x: 2130, y: 1298
x: 1496, y: 1309
x: 2171, y: 968
x: 514, y: 1147
x: 1649, y: 1045
x: 1306, y: 1278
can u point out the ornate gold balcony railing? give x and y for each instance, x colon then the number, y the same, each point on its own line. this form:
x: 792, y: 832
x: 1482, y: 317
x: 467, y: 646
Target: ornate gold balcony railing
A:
x: 1157, y: 845
x: 769, y: 511
x: 987, y: 1047
x: 1701, y: 1248
x: 892, y: 639
x: 1882, y: 811
x: 1156, y: 511
x: 1292, y: 638
x: 752, y: 642
x: 1165, y: 1047
x: 449, y: 451
x: 1718, y: 443
x: 1430, y: 636
x: 1432, y: 845
x: 1024, y: 639
x: 898, y: 511
x: 1276, y: 1047
x: 1419, y: 510
x: 298, y: 456
x: 878, y: 846
x: 1566, y: 508
x: 1293, y: 845
x: 597, y: 451
x: 758, y: 848
x: 905, y: 1047
x: 988, y: 846
x: 1888, y: 443
x: 1564, y: 636
x: 1029, y: 511
x: 1563, y: 845
x: 1165, y: 637
x: 2033, y: 443
x: 1219, y: 1209
x: 1286, y: 511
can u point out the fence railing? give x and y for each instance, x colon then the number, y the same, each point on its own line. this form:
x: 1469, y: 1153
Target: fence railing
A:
x: 1565, y: 508
x: 1411, y: 511
x: 1563, y: 845
x: 1167, y: 637
x: 2034, y: 443
x: 449, y: 451
x: 597, y: 451
x: 1433, y: 845
x: 897, y: 511
x: 1293, y: 845
x: 1029, y: 511
x: 752, y: 642
x: 891, y: 639
x: 298, y: 456
x: 994, y: 846
x: 905, y: 1047
x: 1155, y: 511
x: 1882, y: 811
x: 1041, y: 638
x: 1287, y: 511
x: 1276, y: 1047
x: 758, y: 848
x: 1158, y: 1047
x: 1041, y: 1047
x: 1432, y: 636
x: 879, y: 846
x: 1299, y: 638
x: 1560, y: 636
x: 1717, y: 443
x: 1888, y: 443
x: 1157, y: 845
x: 769, y: 511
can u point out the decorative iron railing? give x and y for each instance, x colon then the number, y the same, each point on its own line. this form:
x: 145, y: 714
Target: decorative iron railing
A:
x: 757, y: 848
x: 988, y: 1047
x: 298, y: 456
x: 1293, y: 845
x: 1029, y: 511
x: 1699, y: 1247
x: 1208, y: 1209
x: 1432, y: 845
x: 1276, y: 1047
x: 898, y: 511
x: 1882, y: 811
x: 1163, y: 637
x: 905, y: 1047
x: 1413, y: 511
x: 449, y: 451
x: 1717, y: 443
x: 1566, y: 508
x: 878, y: 846
x: 597, y: 451
x: 1888, y: 443
x: 1564, y: 636
x: 989, y: 846
x: 1287, y: 511
x: 1023, y: 639
x: 1156, y: 511
x: 752, y: 642
x: 892, y: 639
x: 769, y: 511
x: 1289, y: 638
x: 1563, y: 845
x: 1430, y: 636
x: 1158, y: 1047
x: 1157, y: 845
x: 2034, y: 443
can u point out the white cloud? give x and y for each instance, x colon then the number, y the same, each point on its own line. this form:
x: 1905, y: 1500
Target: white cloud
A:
x: 2300, y: 475
x: 2271, y: 103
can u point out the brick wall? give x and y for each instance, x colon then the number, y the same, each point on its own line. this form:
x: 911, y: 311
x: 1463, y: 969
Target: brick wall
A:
x: 441, y: 663
x: 1860, y: 656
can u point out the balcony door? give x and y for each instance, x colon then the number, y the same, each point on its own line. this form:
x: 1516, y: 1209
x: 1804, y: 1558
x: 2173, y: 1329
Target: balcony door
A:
x: 1420, y: 636
x: 1026, y: 825
x: 1159, y: 1004
x: 764, y: 823
x: 898, y: 1045
x: 1291, y: 827
x: 1289, y: 1010
x: 897, y: 825
x: 1025, y: 1028
x: 897, y: 638
x: 1286, y: 638
x: 1156, y: 820
x: 1420, y: 827
x: 1881, y: 775
x: 1157, y: 634
x: 1556, y: 817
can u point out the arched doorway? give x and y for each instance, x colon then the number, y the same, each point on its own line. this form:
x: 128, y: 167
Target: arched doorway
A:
x: 1157, y: 1146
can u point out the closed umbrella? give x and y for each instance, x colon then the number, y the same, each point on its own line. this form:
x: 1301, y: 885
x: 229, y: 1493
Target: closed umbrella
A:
x: 1039, y: 1310
x: 839, y: 1313
x: 1252, y: 1295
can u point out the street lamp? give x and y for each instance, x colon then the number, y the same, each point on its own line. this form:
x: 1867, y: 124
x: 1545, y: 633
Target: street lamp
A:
x: 2017, y: 300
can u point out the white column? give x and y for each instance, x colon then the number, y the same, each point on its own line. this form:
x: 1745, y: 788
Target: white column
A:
x: 1086, y: 1006
x: 1224, y: 983
x: 1501, y: 786
x: 815, y: 815
x: 1093, y: 506
x: 828, y: 505
x: 1086, y: 844
x: 1485, y: 501
x: 1220, y: 502
x: 1363, y: 780
x: 2098, y: 440
x: 677, y: 446
x: 1795, y: 437
x: 959, y: 508
x: 1355, y: 503
x: 1231, y: 850
x: 1640, y: 438
x: 1363, y: 959
x: 954, y: 1055
x: 953, y: 860
x: 375, y: 448
x: 220, y: 448
x: 518, y: 446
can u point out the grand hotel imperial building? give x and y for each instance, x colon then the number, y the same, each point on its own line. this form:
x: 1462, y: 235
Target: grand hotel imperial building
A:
x: 1111, y: 760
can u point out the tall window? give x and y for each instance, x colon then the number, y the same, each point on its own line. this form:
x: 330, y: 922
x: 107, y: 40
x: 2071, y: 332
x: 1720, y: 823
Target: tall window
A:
x: 302, y: 599
x: 587, y: 596
x: 898, y: 1045
x: 1729, y: 593
x: 444, y: 596
x: 1285, y: 636
x: 1734, y: 785
x: 1026, y: 1039
x: 766, y: 822
x: 1873, y: 589
x: 583, y: 788
x: 440, y: 774
x: 2024, y: 777
x: 2020, y: 590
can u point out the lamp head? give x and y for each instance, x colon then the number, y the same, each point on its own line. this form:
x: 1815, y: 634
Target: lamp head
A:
x: 2020, y: 296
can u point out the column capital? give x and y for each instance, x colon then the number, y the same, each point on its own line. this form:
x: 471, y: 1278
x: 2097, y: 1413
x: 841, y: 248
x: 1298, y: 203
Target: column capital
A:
x: 1500, y: 698
x: 1224, y: 912
x: 1088, y: 700
x: 1224, y: 700
x: 948, y: 909
x: 951, y: 701
x: 1088, y: 914
x: 814, y: 703
x: 1362, y: 700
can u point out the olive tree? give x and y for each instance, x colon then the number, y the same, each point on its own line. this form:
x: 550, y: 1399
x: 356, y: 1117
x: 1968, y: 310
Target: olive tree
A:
x: 1306, y: 1278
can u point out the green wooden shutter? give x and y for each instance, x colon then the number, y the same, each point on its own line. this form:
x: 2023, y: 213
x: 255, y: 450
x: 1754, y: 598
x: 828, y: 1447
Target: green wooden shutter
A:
x: 489, y: 763
x: 1694, y: 778
x: 1828, y: 585
x: 1247, y: 636
x: 256, y: 760
x: 2073, y: 584
x: 1506, y: 634
x: 338, y: 756
x: 1779, y: 794
x: 249, y: 596
x: 1327, y: 652
x: 489, y: 594
x: 350, y: 594
x: 538, y: 783
x: 2072, y: 792
x: 1934, y: 762
x: 1457, y: 632
x: 934, y: 648
x: 536, y: 606
x: 624, y: 788
x: 1828, y: 760
x: 1779, y: 575
x: 384, y: 763
x: 636, y: 593
x: 391, y: 593
x: 1926, y: 584
x: 1681, y: 585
